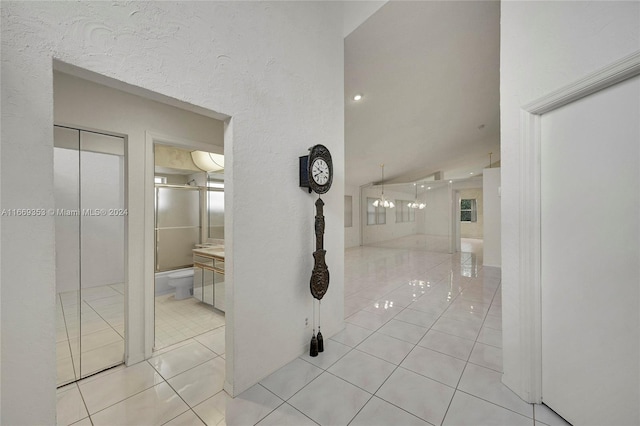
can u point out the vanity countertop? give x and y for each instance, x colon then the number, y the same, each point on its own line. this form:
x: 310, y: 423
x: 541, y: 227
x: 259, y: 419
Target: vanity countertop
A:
x: 215, y: 252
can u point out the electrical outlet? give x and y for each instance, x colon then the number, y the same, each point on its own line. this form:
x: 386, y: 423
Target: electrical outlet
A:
x: 306, y: 323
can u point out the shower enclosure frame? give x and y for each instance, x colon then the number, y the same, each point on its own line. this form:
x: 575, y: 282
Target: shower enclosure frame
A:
x: 157, y: 228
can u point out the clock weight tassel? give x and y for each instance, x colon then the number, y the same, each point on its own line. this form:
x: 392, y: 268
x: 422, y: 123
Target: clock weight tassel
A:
x: 313, y: 347
x: 319, y: 338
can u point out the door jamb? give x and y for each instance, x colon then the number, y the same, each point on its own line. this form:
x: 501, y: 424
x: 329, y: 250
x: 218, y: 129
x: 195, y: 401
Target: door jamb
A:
x: 529, y: 283
x: 152, y: 138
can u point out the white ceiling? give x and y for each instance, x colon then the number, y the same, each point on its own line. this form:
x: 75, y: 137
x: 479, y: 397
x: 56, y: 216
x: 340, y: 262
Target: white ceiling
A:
x: 429, y: 75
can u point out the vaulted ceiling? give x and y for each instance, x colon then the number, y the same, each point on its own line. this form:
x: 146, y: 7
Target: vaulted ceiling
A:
x: 428, y: 73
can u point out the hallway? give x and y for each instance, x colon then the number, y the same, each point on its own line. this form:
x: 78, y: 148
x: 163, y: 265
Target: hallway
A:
x: 422, y: 345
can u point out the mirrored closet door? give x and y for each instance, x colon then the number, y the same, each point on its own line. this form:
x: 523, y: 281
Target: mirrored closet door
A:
x: 90, y: 217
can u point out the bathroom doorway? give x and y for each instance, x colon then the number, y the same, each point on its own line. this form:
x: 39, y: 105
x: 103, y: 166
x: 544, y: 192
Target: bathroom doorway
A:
x: 189, y: 246
x: 90, y: 222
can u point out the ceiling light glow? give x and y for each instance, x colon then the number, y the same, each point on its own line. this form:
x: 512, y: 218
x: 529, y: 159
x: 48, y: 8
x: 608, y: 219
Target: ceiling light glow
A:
x: 357, y: 97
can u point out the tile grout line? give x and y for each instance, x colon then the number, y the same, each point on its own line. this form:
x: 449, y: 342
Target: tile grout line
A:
x: 122, y: 400
x: 284, y: 401
x: 66, y: 330
x: 470, y: 353
x: 84, y: 403
x: 493, y: 403
x: 190, y: 408
x: 102, y: 318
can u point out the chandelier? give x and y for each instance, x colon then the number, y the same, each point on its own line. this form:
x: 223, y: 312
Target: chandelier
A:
x: 417, y: 204
x: 383, y: 202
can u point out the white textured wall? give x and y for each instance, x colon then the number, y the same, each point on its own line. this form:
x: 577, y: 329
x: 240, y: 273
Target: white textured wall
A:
x: 79, y: 102
x: 390, y: 230
x: 275, y: 67
x: 437, y: 212
x: 544, y: 46
x: 491, y: 199
x: 352, y: 235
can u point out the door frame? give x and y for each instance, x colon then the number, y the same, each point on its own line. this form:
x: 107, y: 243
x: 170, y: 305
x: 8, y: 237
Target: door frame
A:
x: 529, y: 353
x: 152, y: 138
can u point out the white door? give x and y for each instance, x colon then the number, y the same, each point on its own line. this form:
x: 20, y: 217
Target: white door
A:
x: 590, y: 257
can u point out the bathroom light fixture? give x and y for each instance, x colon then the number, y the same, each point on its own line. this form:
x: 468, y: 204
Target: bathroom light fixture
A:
x: 357, y: 97
x: 417, y: 204
x: 383, y: 202
x: 208, y: 161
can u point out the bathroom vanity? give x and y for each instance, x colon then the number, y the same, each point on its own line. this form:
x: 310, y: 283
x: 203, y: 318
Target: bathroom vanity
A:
x: 208, y: 275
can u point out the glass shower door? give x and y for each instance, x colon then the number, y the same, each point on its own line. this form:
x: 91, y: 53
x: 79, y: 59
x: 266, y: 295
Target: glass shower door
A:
x: 177, y: 226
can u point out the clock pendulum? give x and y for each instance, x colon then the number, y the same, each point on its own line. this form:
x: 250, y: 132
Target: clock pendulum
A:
x: 319, y: 282
x: 316, y: 173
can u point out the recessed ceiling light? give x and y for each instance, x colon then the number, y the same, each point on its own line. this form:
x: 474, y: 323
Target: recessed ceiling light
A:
x: 429, y: 188
x: 357, y: 97
x: 421, y: 186
x: 450, y: 181
x: 414, y: 184
x: 470, y: 173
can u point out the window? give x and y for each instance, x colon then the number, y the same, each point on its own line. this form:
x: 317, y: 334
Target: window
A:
x: 403, y: 212
x: 468, y: 212
x: 375, y: 215
x: 348, y: 211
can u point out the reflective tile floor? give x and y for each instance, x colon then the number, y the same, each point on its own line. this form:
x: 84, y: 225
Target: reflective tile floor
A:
x: 178, y: 320
x: 422, y: 345
x: 89, y: 331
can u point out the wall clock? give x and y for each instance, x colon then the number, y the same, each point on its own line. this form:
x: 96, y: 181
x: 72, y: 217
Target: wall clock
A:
x: 316, y: 170
x: 316, y: 173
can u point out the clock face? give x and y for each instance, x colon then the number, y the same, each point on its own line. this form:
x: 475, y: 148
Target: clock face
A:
x: 320, y: 171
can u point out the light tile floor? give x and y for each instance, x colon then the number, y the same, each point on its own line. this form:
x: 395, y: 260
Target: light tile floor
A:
x: 178, y: 320
x: 421, y: 346
x: 99, y: 319
x: 89, y: 331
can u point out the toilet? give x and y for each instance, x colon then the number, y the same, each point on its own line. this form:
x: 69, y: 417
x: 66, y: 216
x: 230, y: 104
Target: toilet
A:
x: 182, y: 281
